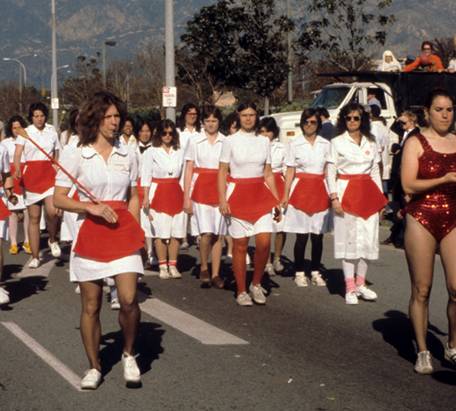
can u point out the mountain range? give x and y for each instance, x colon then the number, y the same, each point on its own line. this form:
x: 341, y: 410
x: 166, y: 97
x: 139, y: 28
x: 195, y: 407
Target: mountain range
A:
x: 83, y: 26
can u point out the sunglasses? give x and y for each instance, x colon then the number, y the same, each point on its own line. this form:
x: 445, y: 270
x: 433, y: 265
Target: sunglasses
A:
x: 352, y: 118
x: 427, y: 49
x: 310, y: 122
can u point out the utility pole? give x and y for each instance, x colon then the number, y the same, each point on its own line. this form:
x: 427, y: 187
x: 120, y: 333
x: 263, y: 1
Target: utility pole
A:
x: 169, y: 54
x: 54, y: 91
x: 290, y: 57
x: 110, y: 43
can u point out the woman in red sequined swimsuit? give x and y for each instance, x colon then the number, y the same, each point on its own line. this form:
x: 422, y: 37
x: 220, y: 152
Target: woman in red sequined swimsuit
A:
x: 428, y: 174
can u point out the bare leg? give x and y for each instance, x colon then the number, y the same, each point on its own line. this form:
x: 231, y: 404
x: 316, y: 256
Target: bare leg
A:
x: 52, y: 220
x: 34, y: 211
x: 279, y: 242
x: 204, y: 250
x: 161, y: 249
x: 26, y: 225
x: 239, y: 265
x: 216, y: 253
x: 173, y: 248
x: 91, y: 294
x: 448, y: 257
x: 262, y: 247
x: 229, y: 245
x: 420, y: 248
x: 12, y: 226
x: 129, y: 314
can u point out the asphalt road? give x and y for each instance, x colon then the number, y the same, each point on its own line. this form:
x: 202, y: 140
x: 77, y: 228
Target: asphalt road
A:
x: 304, y: 350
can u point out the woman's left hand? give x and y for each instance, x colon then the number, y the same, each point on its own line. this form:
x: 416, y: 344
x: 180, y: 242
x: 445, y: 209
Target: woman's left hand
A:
x: 277, y: 214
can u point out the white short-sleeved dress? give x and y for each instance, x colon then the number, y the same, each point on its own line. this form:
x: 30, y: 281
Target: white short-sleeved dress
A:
x: 354, y: 237
x: 49, y: 141
x: 5, y: 168
x: 247, y: 154
x: 107, y: 180
x: 10, y: 145
x: 205, y: 156
x: 278, y: 168
x: 307, y: 158
x: 159, y: 164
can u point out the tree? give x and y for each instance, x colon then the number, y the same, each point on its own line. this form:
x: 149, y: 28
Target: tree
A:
x: 445, y: 48
x: 345, y: 33
x: 235, y: 45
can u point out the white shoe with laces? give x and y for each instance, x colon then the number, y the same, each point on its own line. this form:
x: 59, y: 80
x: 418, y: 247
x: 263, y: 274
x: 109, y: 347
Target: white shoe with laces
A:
x: 450, y: 354
x: 317, y: 279
x: 300, y: 279
x: 269, y: 269
x: 4, y: 296
x: 34, y: 263
x: 257, y: 293
x: 423, y: 364
x: 91, y: 379
x: 115, y: 305
x: 363, y: 292
x: 278, y: 266
x: 174, y: 272
x: 163, y: 273
x: 351, y: 298
x: 244, y: 299
x: 55, y: 249
x: 130, y: 369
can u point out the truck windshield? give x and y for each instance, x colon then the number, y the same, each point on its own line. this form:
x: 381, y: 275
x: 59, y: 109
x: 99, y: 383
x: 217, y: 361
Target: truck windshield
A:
x: 330, y: 97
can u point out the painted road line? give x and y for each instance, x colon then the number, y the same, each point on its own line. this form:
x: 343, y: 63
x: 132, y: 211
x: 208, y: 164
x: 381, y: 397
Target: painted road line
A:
x: 53, y: 362
x: 188, y: 324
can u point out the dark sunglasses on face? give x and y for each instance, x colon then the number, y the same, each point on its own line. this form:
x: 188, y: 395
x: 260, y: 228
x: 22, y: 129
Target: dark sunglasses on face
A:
x: 352, y: 118
x: 310, y: 122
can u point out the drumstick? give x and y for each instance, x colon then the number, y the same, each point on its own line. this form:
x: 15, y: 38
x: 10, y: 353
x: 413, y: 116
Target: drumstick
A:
x: 54, y: 161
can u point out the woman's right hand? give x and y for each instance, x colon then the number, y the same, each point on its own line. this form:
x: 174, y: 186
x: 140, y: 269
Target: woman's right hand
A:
x: 104, y: 211
x: 337, y: 207
x: 450, y: 177
x: 224, y: 208
x: 17, y: 174
x: 188, y: 209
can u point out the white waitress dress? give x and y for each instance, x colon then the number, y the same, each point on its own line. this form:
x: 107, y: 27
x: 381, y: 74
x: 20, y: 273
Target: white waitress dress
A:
x: 356, y: 233
x: 39, y: 174
x: 161, y: 172
x: 312, y: 214
x: 10, y: 145
x: 250, y: 200
x: 204, y: 193
x: 107, y: 181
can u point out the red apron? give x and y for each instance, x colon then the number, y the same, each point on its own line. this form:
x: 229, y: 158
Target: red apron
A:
x: 205, y: 189
x: 251, y: 199
x: 100, y: 241
x: 280, y: 184
x: 168, y: 197
x: 4, y: 212
x: 309, y: 194
x: 140, y: 191
x: 39, y: 176
x: 362, y: 197
x: 18, y: 189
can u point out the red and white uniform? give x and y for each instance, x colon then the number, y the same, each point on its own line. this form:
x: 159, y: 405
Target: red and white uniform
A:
x: 251, y: 202
x: 103, y: 250
x: 39, y: 173
x: 278, y: 168
x: 4, y: 212
x: 145, y: 221
x: 354, y: 174
x: 308, y: 207
x: 204, y: 193
x: 10, y: 145
x: 161, y: 172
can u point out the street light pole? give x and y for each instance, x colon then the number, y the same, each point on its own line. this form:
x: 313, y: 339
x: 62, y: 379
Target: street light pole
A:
x: 169, y: 54
x: 110, y: 43
x: 54, y: 91
x: 290, y: 58
x: 22, y: 78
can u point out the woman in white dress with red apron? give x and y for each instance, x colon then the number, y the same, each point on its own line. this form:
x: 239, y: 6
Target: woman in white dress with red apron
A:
x: 201, y: 198
x: 163, y: 196
x: 109, y: 237
x: 14, y: 124
x: 355, y: 188
x: 39, y: 178
x: 250, y: 200
x: 306, y: 196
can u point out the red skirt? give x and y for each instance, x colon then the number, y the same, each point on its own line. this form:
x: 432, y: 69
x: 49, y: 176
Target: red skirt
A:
x: 251, y: 199
x: 362, y: 197
x: 280, y: 184
x: 309, y: 194
x: 18, y: 188
x: 101, y: 241
x: 205, y: 189
x: 168, y: 197
x: 39, y: 176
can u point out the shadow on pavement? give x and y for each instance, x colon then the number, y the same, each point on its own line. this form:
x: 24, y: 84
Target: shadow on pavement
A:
x: 23, y: 288
x: 148, y: 347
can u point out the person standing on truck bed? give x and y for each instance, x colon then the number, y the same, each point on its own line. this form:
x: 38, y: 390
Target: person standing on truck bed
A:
x: 426, y: 61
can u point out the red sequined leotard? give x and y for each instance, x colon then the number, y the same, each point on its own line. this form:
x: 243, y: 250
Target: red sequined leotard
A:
x: 435, y: 209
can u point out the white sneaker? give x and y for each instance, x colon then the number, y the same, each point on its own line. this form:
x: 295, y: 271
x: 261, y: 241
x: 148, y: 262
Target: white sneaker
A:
x: 77, y: 290
x: 130, y: 369
x: 55, y: 249
x: 4, y: 296
x: 351, y: 298
x: 423, y: 364
x: 248, y: 261
x: 278, y: 266
x: 366, y: 294
x: 163, y: 273
x: 174, y: 272
x: 91, y: 380
x: 115, y: 305
x: 244, y: 299
x: 317, y: 279
x: 300, y: 279
x: 450, y: 354
x: 257, y: 293
x: 269, y: 269
x: 34, y: 263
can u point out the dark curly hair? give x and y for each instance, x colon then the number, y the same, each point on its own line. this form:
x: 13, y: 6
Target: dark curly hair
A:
x: 9, y: 124
x: 92, y: 114
x: 310, y: 112
x: 161, y: 127
x: 230, y: 119
x: 270, y: 125
x: 365, y: 128
x: 38, y: 106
